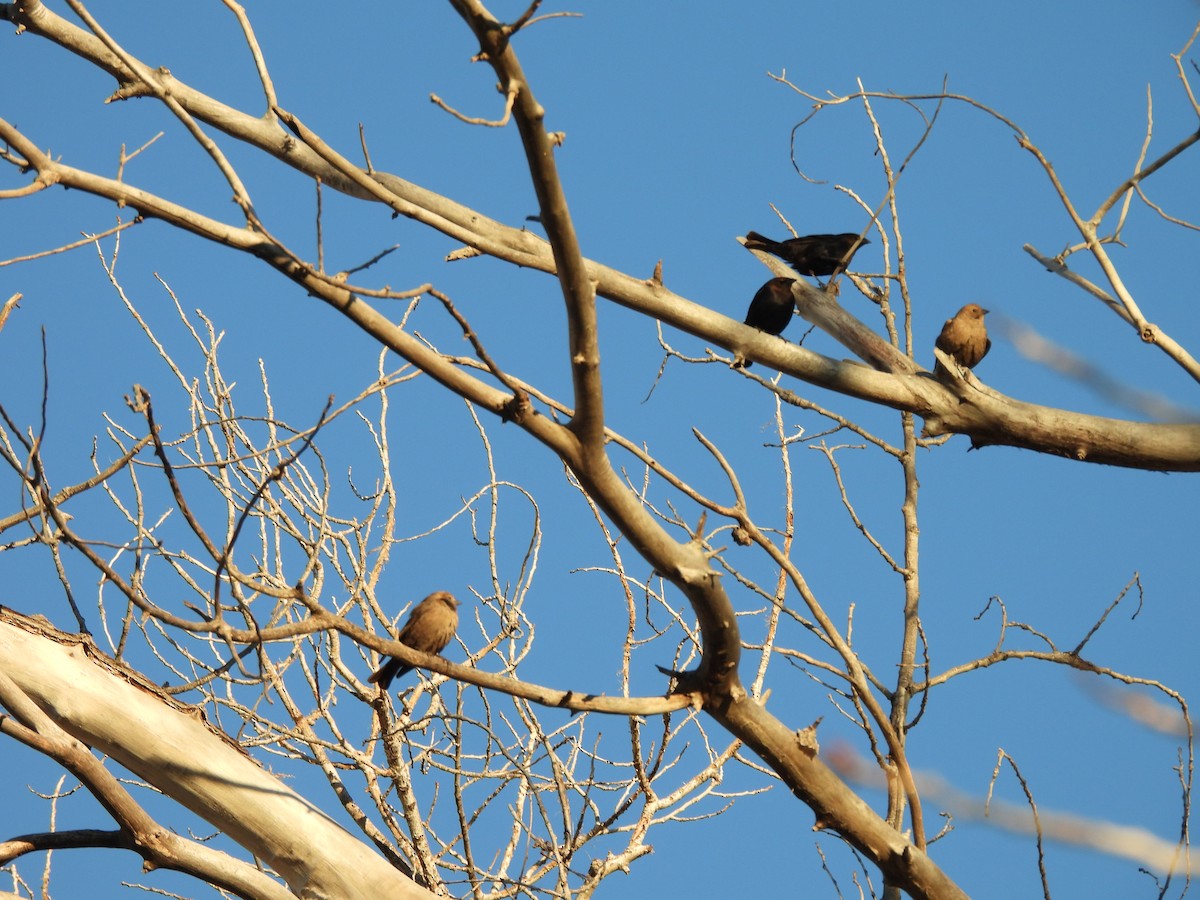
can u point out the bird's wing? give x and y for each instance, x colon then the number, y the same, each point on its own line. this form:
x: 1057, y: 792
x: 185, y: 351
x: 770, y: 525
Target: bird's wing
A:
x: 420, y: 613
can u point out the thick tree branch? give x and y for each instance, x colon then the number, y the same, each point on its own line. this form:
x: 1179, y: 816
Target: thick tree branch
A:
x: 49, y: 685
x: 838, y: 808
x: 1003, y: 421
x: 579, y: 290
x: 1161, y: 447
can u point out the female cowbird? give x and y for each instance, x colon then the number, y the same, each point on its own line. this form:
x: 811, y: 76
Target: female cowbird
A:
x: 814, y: 254
x: 964, y: 337
x: 429, y: 628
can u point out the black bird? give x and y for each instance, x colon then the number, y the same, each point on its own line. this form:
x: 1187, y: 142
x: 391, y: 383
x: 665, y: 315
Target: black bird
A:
x: 429, y: 628
x: 814, y: 254
x: 771, y: 308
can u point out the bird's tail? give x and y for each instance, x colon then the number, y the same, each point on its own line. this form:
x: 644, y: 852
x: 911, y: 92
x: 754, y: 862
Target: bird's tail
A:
x: 755, y: 241
x: 392, y: 668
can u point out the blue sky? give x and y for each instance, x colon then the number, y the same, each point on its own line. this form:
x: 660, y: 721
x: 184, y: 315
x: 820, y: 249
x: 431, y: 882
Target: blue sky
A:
x: 677, y: 141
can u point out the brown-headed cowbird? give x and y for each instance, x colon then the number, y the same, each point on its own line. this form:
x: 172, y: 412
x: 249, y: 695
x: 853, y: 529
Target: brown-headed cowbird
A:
x: 813, y: 254
x: 772, y: 306
x: 964, y: 337
x: 429, y: 628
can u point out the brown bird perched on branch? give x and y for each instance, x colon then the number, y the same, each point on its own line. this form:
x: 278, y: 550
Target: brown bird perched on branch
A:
x: 429, y: 628
x: 813, y: 254
x: 964, y: 337
x: 771, y: 309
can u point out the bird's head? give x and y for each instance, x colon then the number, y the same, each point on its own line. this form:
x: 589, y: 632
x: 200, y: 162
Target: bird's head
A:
x: 444, y: 597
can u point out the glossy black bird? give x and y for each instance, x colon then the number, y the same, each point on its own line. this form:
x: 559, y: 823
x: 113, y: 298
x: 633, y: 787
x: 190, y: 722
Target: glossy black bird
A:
x: 814, y: 254
x: 771, y: 308
x: 429, y: 628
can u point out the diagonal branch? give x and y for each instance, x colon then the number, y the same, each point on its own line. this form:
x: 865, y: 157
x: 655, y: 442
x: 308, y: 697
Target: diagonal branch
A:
x: 578, y: 287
